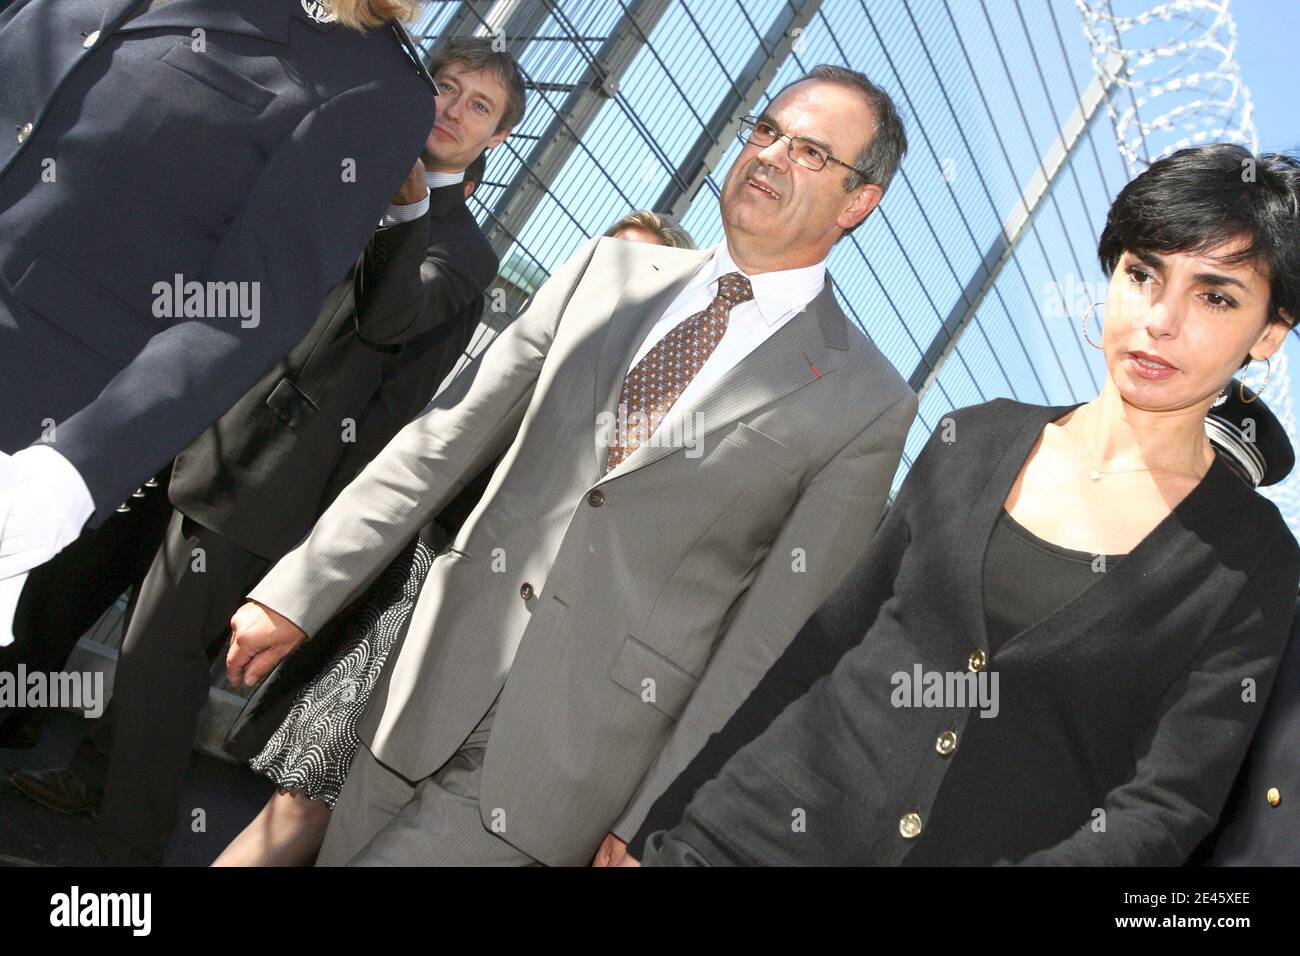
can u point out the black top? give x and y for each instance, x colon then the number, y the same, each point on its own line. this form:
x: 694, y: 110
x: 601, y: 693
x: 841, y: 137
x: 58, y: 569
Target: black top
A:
x: 1027, y: 578
x: 1133, y: 702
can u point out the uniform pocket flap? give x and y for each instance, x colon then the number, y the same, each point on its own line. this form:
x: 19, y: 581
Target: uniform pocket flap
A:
x: 212, y: 74
x: 67, y: 299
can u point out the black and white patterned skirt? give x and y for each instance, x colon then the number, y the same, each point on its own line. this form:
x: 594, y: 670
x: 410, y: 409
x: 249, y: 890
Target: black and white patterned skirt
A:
x: 313, y: 747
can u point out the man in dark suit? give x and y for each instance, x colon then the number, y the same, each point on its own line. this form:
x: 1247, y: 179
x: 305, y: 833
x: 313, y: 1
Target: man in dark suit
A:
x: 251, y: 486
x: 238, y: 152
x: 411, y: 376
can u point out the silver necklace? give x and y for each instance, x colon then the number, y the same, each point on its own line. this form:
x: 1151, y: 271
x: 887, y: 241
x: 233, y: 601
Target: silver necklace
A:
x: 1096, y: 474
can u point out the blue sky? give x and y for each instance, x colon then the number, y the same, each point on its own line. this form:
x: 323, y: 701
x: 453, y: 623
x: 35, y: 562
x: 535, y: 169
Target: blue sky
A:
x: 1267, y: 31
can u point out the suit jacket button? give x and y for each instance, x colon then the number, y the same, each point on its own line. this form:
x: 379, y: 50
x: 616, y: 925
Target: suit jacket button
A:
x: 910, y: 826
x: 526, y: 591
x: 23, y: 132
x: 946, y: 743
x: 1274, y: 796
x: 977, y: 661
x: 596, y: 498
x: 123, y: 508
x: 91, y: 39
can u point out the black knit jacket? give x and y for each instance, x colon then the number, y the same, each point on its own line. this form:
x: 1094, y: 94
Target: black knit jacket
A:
x: 1123, y: 716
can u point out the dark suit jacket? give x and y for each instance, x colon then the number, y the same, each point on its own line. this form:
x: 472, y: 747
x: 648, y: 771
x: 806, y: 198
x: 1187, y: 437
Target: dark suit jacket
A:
x: 266, y: 159
x: 1253, y: 831
x: 1126, y: 700
x: 257, y: 476
x: 409, y: 380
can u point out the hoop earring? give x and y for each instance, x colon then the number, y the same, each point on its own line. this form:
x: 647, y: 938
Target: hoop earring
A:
x: 1241, y: 386
x: 1086, y: 337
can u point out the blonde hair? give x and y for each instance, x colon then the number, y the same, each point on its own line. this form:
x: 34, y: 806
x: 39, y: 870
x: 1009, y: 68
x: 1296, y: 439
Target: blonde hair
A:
x: 360, y: 14
x: 656, y: 223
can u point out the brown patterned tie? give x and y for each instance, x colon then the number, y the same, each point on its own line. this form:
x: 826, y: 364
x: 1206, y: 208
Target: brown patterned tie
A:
x: 663, y: 373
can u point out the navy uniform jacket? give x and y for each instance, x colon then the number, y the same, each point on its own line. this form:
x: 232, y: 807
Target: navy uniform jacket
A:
x: 221, y: 141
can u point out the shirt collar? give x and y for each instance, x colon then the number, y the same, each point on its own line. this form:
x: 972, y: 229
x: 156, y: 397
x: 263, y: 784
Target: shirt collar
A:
x: 438, y: 180
x: 776, y: 294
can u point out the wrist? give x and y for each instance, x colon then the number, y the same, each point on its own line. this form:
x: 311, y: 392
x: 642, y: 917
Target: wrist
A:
x: 409, y: 197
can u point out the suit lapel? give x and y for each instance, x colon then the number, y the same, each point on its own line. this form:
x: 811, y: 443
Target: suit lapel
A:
x: 445, y: 198
x: 802, y: 351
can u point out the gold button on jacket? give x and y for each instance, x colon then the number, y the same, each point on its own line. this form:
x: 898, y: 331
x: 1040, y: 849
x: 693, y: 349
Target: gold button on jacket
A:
x: 910, y: 825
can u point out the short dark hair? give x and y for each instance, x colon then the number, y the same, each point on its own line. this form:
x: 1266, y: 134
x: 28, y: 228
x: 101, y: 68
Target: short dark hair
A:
x: 476, y: 53
x: 477, y: 167
x: 884, y: 151
x: 1196, y: 199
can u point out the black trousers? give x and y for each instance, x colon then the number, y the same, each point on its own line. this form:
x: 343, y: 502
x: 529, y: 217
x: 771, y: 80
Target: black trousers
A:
x: 181, y: 623
x: 65, y: 596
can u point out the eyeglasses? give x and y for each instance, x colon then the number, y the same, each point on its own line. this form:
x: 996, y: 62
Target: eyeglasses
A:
x: 803, y: 151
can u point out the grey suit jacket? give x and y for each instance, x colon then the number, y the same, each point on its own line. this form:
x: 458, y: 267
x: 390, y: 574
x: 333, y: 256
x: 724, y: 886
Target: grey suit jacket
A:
x: 632, y: 611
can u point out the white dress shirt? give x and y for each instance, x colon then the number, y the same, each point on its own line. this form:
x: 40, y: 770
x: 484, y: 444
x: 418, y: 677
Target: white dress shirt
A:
x: 399, y: 214
x: 778, y: 298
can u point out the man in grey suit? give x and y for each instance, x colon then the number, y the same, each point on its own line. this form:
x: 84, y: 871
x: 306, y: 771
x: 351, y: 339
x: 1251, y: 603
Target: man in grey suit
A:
x: 696, y: 446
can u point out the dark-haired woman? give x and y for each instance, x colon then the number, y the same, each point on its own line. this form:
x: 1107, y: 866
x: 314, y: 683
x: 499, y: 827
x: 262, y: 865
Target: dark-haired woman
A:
x: 1092, y: 579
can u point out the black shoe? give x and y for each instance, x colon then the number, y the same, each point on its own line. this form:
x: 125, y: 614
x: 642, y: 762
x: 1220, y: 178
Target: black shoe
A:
x: 60, y: 790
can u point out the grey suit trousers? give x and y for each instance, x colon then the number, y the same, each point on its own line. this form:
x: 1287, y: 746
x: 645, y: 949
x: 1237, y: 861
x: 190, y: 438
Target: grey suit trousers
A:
x: 381, y: 819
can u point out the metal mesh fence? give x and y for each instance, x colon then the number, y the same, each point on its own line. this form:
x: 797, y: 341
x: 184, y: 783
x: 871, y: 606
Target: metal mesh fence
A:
x: 960, y: 277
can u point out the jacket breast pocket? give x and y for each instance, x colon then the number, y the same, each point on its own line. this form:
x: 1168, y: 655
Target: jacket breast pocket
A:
x: 304, y: 417
x: 652, y: 677
x: 213, y: 74
x: 65, y: 298
x: 766, y: 447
